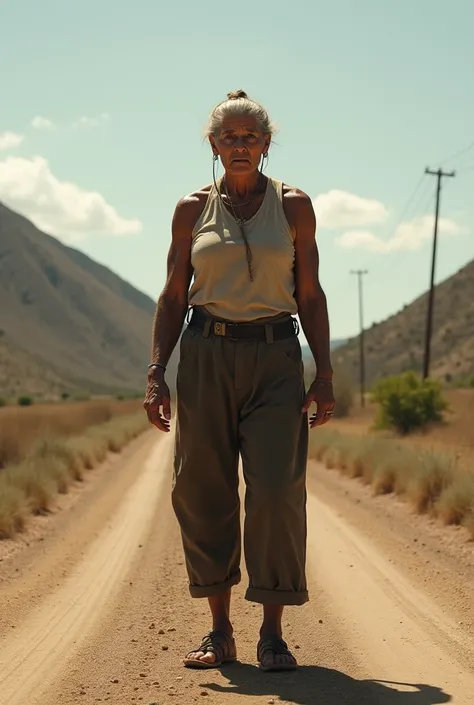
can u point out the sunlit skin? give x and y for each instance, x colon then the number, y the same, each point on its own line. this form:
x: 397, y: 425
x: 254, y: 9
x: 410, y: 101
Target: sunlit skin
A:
x: 240, y: 144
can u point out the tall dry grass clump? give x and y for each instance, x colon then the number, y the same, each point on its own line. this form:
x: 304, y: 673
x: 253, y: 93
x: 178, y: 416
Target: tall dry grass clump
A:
x: 432, y: 482
x: 20, y: 428
x: 54, y: 462
x: 13, y: 509
x: 435, y: 473
x: 456, y: 502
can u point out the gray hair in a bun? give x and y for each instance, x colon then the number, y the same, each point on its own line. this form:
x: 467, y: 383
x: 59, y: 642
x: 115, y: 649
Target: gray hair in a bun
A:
x: 238, y: 103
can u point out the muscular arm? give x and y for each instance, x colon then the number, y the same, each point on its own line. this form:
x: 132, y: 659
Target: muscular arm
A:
x: 310, y: 296
x: 173, y: 300
x: 171, y: 309
x: 311, y: 300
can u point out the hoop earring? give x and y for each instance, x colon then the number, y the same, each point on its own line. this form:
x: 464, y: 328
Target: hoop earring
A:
x: 214, y: 169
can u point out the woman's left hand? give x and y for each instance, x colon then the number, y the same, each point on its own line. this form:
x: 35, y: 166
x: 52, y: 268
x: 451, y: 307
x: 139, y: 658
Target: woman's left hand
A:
x: 322, y: 394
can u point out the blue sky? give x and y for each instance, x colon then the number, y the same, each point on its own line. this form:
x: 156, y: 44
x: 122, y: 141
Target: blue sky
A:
x: 103, y: 105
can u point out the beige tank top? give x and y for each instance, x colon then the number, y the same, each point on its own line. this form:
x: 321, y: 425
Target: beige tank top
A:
x: 221, y: 281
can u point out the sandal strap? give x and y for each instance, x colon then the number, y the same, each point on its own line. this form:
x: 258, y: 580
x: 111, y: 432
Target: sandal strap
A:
x: 218, y: 643
x: 274, y: 644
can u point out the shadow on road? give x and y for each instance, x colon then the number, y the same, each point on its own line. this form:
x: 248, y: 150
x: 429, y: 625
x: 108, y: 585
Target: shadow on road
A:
x: 312, y: 685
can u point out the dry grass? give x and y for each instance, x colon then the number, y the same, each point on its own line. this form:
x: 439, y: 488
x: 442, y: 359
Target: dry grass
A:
x: 454, y: 437
x: 53, y: 463
x: 20, y: 428
x: 432, y: 482
x: 456, y: 503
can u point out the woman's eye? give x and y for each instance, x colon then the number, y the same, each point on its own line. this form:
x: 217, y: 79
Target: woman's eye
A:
x: 251, y: 138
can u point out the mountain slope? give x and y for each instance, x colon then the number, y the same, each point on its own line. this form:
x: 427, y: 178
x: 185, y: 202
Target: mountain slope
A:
x: 74, y: 319
x: 397, y: 344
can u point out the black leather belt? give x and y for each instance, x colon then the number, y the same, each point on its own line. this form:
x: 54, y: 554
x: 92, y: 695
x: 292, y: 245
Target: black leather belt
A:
x: 267, y: 332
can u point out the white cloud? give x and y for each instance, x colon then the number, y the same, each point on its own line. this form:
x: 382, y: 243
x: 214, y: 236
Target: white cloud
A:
x: 10, y: 140
x: 59, y: 207
x: 42, y: 123
x: 340, y: 209
x: 408, y: 236
x: 361, y: 239
x: 85, y: 121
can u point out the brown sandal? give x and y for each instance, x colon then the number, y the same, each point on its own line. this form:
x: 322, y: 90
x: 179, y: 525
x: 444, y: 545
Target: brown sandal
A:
x: 220, y: 644
x: 277, y: 647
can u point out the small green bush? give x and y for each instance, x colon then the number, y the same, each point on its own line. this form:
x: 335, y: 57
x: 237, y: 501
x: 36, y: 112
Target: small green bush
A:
x: 25, y: 400
x: 407, y: 403
x: 3, y: 401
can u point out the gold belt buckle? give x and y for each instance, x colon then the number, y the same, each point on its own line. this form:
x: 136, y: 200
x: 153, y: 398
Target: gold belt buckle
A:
x: 219, y: 328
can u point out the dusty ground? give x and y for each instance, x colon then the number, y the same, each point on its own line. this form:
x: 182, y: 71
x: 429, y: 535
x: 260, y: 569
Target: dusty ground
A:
x: 95, y: 608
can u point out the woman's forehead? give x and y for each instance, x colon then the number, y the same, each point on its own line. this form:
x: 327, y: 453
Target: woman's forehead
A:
x: 238, y: 123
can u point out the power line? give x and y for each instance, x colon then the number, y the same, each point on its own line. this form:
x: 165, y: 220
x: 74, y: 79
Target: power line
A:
x: 398, y: 257
x: 439, y: 173
x: 360, y: 273
x: 465, y: 169
x: 409, y: 208
x: 457, y: 154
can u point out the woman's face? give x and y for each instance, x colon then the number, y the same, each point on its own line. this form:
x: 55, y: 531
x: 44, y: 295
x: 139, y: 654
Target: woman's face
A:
x: 240, y: 144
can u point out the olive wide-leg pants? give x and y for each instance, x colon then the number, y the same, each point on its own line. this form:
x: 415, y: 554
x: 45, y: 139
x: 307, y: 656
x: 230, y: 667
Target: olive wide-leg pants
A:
x: 241, y: 397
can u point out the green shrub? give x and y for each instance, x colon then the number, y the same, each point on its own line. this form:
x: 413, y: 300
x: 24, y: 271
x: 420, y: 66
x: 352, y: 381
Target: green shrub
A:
x: 407, y: 403
x: 25, y: 400
x: 3, y: 401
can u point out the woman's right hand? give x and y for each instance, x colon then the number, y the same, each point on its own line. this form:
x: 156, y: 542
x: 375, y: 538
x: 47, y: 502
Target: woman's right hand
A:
x: 158, y: 397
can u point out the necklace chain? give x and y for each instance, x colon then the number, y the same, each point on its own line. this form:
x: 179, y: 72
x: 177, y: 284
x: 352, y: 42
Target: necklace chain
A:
x: 239, y: 219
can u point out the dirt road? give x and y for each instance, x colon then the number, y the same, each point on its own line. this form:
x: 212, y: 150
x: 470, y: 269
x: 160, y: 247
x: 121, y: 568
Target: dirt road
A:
x: 96, y: 608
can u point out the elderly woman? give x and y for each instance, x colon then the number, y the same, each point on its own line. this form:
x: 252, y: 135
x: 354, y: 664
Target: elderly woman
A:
x: 243, y: 260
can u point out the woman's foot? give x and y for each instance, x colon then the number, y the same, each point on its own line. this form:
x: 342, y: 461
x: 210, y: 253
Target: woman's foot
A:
x: 272, y: 651
x: 216, y: 648
x: 273, y: 654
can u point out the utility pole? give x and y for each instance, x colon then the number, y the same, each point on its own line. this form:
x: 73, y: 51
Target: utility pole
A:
x: 360, y: 273
x: 439, y: 173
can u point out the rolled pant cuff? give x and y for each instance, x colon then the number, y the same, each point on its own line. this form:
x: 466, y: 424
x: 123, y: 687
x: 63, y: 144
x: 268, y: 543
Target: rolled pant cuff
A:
x: 217, y: 589
x: 277, y: 597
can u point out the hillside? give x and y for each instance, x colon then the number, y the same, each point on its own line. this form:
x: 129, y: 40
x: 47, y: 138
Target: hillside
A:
x: 67, y: 323
x: 397, y: 344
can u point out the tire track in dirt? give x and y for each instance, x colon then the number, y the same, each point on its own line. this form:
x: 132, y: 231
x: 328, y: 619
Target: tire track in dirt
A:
x: 30, y: 656
x: 398, y: 635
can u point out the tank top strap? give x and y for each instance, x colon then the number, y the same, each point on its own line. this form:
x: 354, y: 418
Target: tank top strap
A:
x: 277, y: 187
x: 209, y: 211
x: 275, y: 207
